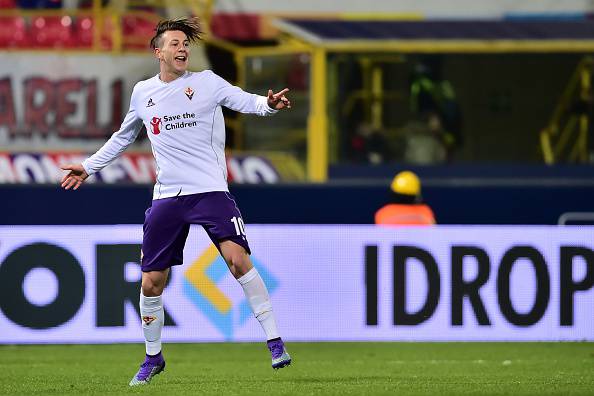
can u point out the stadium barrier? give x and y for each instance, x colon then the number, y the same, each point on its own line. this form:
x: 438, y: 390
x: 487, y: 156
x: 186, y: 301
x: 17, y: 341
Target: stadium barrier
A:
x: 74, y: 284
x: 339, y: 203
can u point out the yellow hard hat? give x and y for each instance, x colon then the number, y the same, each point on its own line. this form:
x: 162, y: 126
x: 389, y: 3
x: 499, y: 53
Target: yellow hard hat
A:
x: 406, y: 183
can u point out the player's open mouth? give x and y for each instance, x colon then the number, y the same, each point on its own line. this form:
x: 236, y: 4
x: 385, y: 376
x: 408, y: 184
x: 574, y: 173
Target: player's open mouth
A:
x: 181, y: 58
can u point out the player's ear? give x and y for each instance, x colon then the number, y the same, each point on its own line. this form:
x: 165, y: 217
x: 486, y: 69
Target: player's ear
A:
x: 157, y: 53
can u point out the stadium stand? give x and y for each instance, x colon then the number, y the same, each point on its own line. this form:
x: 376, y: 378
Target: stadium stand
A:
x: 13, y: 32
x: 239, y: 27
x: 83, y: 28
x: 34, y: 25
x: 7, y: 4
x: 52, y: 32
x: 137, y: 31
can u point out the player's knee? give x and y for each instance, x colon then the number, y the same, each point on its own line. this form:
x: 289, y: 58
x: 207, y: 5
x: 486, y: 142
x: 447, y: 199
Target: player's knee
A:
x: 151, y: 288
x: 238, y: 264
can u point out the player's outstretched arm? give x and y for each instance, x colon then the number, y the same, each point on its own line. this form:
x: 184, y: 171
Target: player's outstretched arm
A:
x: 75, y: 177
x: 278, y: 100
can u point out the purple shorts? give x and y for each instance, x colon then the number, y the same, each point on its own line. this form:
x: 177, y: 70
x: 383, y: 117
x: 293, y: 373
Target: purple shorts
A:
x: 168, y: 220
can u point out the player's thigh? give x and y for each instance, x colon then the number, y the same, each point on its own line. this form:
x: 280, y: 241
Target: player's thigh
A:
x: 219, y: 214
x: 164, y: 235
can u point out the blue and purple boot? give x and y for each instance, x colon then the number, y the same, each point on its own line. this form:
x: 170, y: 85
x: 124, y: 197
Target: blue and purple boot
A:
x: 280, y: 356
x: 152, y: 366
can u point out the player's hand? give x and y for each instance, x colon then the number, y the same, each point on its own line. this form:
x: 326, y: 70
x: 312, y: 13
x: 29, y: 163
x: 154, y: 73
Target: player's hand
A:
x: 278, y: 101
x: 75, y: 177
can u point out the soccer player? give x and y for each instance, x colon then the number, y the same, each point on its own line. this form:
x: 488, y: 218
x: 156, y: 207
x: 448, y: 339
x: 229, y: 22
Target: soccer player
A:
x: 181, y: 111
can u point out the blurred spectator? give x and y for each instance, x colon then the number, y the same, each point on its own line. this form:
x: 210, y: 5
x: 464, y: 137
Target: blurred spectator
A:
x: 433, y: 100
x: 407, y: 207
x: 423, y: 141
x: 368, y: 145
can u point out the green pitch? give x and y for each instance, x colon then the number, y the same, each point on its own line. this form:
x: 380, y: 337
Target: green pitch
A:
x: 318, y: 369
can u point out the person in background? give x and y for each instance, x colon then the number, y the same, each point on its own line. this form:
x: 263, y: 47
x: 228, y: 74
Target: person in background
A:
x: 407, y: 207
x: 433, y: 100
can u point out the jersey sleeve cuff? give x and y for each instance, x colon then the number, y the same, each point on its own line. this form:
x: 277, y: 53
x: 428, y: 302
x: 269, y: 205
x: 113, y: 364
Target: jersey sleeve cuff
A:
x: 85, y: 165
x: 264, y: 105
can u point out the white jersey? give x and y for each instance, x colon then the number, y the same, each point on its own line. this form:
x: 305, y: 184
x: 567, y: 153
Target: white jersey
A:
x: 185, y: 125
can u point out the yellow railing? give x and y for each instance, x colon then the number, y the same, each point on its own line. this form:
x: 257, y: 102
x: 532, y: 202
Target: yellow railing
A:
x: 565, y: 139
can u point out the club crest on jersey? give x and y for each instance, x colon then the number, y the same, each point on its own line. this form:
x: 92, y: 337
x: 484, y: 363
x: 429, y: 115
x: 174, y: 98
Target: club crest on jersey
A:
x: 150, y: 103
x: 148, y: 319
x: 156, y: 125
x: 189, y: 93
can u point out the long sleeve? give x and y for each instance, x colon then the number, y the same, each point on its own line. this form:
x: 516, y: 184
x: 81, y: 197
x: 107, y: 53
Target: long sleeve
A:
x: 235, y: 98
x: 118, y: 142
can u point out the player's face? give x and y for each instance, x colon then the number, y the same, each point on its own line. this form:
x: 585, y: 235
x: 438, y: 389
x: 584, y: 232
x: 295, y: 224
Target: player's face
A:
x: 174, y: 53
